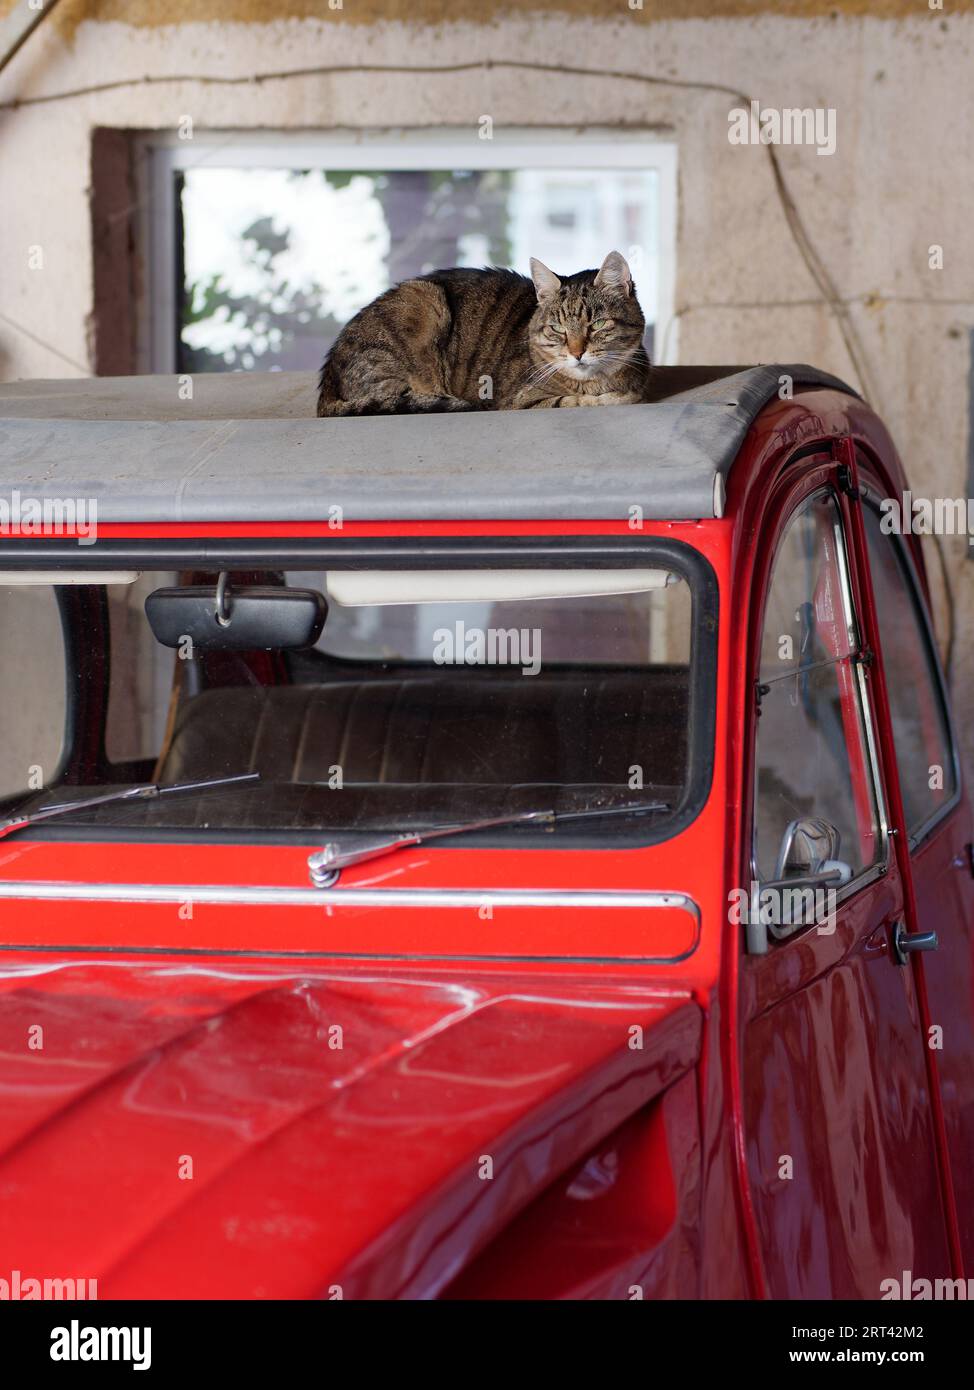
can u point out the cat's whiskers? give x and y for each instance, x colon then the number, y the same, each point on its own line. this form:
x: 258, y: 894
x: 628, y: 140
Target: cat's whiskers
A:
x: 538, y: 375
x: 630, y: 355
x: 616, y: 361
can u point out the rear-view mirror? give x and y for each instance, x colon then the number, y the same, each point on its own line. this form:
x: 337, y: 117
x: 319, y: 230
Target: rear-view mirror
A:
x: 224, y: 618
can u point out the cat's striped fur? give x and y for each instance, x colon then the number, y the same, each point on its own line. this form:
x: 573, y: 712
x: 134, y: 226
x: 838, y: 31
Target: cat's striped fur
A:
x: 491, y: 340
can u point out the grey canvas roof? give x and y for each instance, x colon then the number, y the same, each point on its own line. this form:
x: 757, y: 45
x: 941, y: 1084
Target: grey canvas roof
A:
x: 248, y: 447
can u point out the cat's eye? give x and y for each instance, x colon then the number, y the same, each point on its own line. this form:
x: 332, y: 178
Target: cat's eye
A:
x: 556, y: 332
x: 599, y: 324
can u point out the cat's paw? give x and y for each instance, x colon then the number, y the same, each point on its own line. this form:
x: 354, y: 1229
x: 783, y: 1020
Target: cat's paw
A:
x: 615, y: 398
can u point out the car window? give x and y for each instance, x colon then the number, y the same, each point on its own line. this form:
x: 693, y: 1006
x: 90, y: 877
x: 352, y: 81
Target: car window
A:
x: 33, y: 692
x: 430, y: 697
x: 811, y: 752
x: 921, y: 733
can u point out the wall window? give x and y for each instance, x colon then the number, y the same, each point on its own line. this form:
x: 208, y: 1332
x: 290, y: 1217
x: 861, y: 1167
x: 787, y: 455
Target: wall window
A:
x: 263, y: 247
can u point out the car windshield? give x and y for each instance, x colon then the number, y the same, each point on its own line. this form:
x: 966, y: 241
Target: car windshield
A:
x: 429, y: 697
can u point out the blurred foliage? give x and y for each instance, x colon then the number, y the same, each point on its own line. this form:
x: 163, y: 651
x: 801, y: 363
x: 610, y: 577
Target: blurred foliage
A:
x: 280, y: 325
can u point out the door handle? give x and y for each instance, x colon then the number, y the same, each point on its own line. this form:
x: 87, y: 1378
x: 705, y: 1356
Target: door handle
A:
x: 904, y: 942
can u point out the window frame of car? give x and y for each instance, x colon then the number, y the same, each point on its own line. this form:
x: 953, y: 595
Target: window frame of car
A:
x: 808, y: 471
x: 873, y: 490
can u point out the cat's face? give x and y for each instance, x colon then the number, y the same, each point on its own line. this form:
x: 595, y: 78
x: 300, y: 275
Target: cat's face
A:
x: 589, y: 330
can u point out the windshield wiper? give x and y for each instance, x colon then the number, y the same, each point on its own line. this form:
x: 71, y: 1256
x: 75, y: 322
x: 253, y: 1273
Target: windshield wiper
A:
x: 326, y: 864
x: 140, y: 793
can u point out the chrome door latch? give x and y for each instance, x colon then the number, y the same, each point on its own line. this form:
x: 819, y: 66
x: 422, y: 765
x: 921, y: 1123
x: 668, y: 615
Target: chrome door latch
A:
x: 904, y: 942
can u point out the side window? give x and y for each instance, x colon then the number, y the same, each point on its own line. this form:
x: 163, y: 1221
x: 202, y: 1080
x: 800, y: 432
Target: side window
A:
x: 921, y: 733
x: 815, y: 798
x: 33, y: 687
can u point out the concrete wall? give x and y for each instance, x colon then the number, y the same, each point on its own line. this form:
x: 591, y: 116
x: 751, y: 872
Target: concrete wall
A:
x: 834, y: 268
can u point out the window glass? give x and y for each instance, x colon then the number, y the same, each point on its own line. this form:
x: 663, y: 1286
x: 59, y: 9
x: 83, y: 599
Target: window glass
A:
x: 33, y: 694
x: 921, y: 733
x: 430, y: 698
x: 141, y: 674
x: 276, y: 261
x: 613, y: 629
x: 806, y: 619
x: 811, y: 751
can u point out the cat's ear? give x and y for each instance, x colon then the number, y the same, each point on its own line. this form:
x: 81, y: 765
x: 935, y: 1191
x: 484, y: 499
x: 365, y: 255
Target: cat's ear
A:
x: 546, y: 282
x: 615, y: 274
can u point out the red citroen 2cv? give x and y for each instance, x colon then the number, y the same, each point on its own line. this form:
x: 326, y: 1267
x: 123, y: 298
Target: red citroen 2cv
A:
x: 490, y: 855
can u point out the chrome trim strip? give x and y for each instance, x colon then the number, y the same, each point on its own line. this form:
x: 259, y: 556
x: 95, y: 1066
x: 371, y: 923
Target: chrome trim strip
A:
x: 853, y: 626
x: 868, y: 720
x: 365, y: 897
x: 336, y: 897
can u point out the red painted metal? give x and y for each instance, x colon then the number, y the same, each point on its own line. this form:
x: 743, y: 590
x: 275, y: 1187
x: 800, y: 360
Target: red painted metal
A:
x: 629, y: 1109
x: 279, y: 1129
x: 809, y: 1005
x: 943, y: 889
x: 846, y: 451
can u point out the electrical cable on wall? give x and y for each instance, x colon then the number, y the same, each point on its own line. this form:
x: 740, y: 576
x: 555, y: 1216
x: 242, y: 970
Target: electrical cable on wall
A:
x: 838, y: 307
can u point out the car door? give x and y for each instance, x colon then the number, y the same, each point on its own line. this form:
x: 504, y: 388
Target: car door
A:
x: 938, y: 825
x: 838, y: 1128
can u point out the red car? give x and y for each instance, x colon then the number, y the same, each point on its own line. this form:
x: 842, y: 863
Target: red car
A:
x: 496, y: 855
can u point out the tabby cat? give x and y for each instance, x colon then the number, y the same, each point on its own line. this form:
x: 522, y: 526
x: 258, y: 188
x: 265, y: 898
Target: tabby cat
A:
x: 491, y: 340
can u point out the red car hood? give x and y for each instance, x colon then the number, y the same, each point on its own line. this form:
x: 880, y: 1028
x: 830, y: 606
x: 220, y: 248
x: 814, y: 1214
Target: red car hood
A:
x: 270, y: 1129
